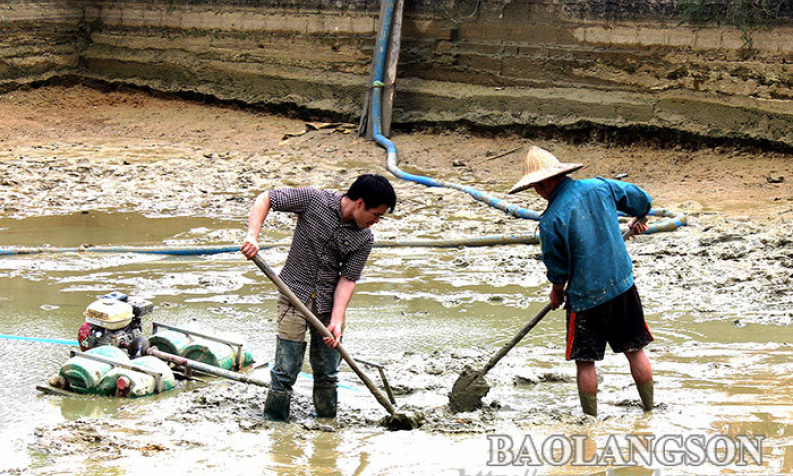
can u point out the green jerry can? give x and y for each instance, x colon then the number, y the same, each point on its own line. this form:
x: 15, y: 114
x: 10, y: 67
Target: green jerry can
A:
x: 216, y: 354
x: 123, y: 382
x: 83, y: 375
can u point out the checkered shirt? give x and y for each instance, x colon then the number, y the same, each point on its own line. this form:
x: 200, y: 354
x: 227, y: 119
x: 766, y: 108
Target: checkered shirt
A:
x: 323, y: 247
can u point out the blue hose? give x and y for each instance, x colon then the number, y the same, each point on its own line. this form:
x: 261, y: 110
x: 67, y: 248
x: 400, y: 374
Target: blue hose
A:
x: 391, y: 158
x: 41, y: 340
x: 489, y: 240
x: 159, y: 250
x: 377, y: 94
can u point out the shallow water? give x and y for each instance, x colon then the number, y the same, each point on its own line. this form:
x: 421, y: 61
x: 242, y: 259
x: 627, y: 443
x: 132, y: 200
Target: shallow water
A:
x: 722, y: 358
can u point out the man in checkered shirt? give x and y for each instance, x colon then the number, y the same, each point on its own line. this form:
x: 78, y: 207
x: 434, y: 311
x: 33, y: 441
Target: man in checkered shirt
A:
x: 331, y: 244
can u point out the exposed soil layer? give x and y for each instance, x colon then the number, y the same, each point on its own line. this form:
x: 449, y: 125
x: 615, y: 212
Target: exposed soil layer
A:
x: 576, y: 65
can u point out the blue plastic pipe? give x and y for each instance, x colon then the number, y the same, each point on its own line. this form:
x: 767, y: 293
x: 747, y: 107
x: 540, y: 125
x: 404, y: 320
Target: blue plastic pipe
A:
x: 377, y: 95
x: 41, y: 340
x: 488, y: 240
x: 391, y: 158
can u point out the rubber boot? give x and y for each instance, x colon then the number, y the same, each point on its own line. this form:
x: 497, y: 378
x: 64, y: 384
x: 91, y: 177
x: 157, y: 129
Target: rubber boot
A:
x: 589, y: 403
x: 646, y: 392
x: 276, y: 406
x: 325, y: 364
x: 325, y: 402
x: 288, y: 362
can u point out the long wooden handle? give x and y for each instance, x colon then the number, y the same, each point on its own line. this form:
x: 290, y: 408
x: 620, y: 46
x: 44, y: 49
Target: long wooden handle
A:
x: 518, y: 337
x: 312, y: 319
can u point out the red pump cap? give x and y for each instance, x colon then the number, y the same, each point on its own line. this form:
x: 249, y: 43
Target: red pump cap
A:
x: 82, y: 335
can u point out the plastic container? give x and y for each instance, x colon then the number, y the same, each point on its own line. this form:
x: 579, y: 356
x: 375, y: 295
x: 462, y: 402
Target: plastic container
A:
x: 197, y: 348
x: 83, y: 375
x: 210, y: 353
x: 247, y: 357
x: 216, y: 354
x: 170, y: 342
x: 139, y: 383
x: 109, y: 313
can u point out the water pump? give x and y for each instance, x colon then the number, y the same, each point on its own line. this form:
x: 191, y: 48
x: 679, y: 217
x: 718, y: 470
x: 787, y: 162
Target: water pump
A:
x: 114, y: 319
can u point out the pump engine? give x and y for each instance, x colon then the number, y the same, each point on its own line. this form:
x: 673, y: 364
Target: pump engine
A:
x: 114, y: 319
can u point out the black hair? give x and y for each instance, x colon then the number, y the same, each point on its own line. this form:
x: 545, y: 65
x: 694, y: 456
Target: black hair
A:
x: 375, y: 190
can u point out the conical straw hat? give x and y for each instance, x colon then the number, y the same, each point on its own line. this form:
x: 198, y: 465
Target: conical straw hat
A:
x: 540, y: 165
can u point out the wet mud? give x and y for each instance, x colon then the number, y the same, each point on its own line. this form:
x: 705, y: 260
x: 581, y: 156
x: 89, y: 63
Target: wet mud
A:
x: 147, y: 171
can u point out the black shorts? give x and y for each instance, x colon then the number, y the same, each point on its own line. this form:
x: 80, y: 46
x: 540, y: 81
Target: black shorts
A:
x: 620, y: 322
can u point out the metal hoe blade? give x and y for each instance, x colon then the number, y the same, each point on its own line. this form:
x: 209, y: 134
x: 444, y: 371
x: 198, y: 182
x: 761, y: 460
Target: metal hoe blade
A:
x: 468, y: 391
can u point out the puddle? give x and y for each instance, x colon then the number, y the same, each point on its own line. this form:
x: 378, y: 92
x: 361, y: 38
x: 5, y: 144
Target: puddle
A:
x: 104, y: 228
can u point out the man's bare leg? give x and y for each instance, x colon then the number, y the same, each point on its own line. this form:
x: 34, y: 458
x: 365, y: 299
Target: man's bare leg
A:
x: 643, y: 376
x: 587, y: 379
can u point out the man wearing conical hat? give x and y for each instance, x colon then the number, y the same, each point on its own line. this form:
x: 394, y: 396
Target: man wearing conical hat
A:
x: 588, y: 264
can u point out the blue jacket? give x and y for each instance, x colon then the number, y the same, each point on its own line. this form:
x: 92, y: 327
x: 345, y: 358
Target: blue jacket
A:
x: 581, y: 239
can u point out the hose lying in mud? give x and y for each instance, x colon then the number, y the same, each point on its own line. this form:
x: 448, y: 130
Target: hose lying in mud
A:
x: 391, y: 151
x: 674, y: 222
x: 490, y: 240
x: 41, y: 340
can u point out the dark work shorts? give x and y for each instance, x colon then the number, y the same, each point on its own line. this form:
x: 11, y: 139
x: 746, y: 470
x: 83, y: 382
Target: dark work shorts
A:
x: 620, y: 322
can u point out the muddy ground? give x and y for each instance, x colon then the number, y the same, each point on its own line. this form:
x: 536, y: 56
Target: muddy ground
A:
x: 68, y: 150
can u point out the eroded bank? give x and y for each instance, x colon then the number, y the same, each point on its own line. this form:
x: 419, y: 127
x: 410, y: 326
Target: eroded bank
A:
x: 577, y: 67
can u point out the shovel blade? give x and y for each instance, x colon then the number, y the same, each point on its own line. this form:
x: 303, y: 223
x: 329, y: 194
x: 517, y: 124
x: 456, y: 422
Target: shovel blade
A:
x: 468, y: 391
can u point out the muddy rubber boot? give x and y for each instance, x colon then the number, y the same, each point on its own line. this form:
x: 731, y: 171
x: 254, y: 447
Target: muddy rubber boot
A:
x: 325, y: 402
x: 325, y: 364
x: 646, y: 393
x: 589, y: 403
x: 276, y: 406
x: 288, y: 362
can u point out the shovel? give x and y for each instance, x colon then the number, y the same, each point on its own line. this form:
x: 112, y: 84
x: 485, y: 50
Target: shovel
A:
x: 471, y: 386
x: 396, y: 420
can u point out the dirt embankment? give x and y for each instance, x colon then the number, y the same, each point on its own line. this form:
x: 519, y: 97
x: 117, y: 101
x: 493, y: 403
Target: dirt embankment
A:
x: 39, y: 40
x: 577, y: 66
